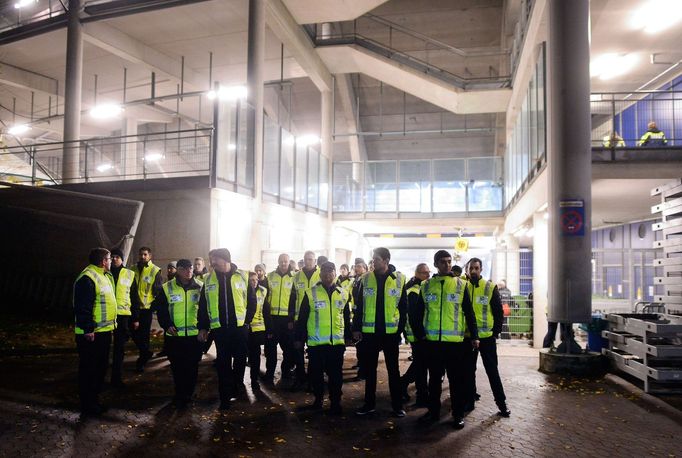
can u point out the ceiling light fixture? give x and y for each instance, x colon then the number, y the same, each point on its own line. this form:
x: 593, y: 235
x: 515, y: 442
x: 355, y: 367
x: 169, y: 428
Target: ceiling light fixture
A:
x: 104, y: 167
x: 307, y: 140
x: 153, y: 157
x: 23, y: 3
x: 610, y: 65
x: 106, y: 111
x: 18, y: 129
x: 229, y: 93
x: 656, y: 16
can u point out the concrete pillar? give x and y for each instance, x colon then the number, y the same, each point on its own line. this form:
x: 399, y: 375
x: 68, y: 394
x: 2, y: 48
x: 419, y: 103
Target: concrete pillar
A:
x: 129, y: 163
x: 254, y: 75
x: 568, y: 161
x: 72, y: 93
x: 540, y: 277
x: 513, y: 267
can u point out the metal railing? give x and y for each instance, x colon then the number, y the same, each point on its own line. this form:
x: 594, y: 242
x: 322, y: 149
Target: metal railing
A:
x: 464, y: 68
x: 620, y: 119
x: 518, y: 318
x: 34, y: 12
x: 128, y: 157
x: 419, y: 186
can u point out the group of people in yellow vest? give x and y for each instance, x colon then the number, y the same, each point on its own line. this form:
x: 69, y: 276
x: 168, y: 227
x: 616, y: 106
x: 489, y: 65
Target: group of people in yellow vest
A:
x: 447, y: 318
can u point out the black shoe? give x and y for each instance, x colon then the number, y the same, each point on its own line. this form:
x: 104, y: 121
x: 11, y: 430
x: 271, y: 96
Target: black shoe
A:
x: 504, y: 411
x: 458, y: 423
x: 428, y: 419
x: 399, y: 413
x: 365, y: 410
x: 335, y: 409
x: 255, y: 386
x: 269, y: 380
x: 298, y: 385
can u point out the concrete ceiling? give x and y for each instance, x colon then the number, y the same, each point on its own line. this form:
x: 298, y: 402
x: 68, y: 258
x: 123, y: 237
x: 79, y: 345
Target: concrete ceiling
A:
x: 619, y: 201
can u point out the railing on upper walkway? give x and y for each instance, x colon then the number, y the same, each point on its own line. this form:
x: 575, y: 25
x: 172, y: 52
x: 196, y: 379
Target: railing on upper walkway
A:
x: 12, y: 18
x: 621, y: 119
x: 423, y: 187
x: 464, y: 68
x: 128, y: 157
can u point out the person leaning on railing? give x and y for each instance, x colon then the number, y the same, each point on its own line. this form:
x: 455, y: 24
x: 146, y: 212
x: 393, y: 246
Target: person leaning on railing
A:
x: 653, y: 136
x: 613, y: 140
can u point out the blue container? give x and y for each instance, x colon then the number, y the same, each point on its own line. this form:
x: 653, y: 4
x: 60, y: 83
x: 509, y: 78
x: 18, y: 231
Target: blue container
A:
x: 595, y: 342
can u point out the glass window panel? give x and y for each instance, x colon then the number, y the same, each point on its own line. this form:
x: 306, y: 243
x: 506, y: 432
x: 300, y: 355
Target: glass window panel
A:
x: 449, y: 185
x: 287, y: 171
x: 380, y: 183
x: 324, y: 182
x: 541, y: 104
x: 270, y: 157
x: 415, y: 186
x: 347, y: 193
x: 301, y: 174
x: 226, y: 147
x: 485, y: 196
x: 481, y: 168
x: 244, y: 158
x: 313, y: 178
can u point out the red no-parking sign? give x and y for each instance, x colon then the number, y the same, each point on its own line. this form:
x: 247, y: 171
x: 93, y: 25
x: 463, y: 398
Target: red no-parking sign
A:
x: 572, y: 217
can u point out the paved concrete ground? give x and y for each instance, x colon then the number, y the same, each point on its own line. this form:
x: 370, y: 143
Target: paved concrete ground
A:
x: 551, y: 416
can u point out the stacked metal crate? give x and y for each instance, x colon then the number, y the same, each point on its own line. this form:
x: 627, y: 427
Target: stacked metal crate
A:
x: 648, y: 346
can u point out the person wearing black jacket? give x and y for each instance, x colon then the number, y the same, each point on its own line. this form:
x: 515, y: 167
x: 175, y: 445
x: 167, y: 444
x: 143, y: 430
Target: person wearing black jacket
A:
x: 177, y: 309
x: 360, y: 269
x: 437, y: 320
x: 485, y: 304
x: 128, y: 311
x: 227, y: 306
x: 260, y: 328
x: 379, y: 320
x: 149, y: 281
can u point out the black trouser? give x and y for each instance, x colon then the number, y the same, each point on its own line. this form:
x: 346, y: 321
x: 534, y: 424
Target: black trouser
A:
x: 329, y: 359
x: 488, y: 351
x: 566, y: 332
x: 299, y: 361
x: 231, y: 346
x: 256, y: 339
x: 121, y: 336
x: 93, y: 360
x: 141, y: 335
x: 372, y: 344
x: 184, y: 354
x: 451, y: 358
x: 416, y: 373
x: 359, y: 353
x: 281, y: 336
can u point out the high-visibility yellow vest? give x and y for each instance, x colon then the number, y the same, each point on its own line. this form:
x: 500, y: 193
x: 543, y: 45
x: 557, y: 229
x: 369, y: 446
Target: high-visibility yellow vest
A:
x: 443, y: 316
x: 239, y: 283
x: 480, y: 299
x: 301, y: 283
x: 183, y: 307
x: 104, y: 310
x: 258, y: 323
x: 279, y: 292
x: 393, y: 289
x: 408, y: 329
x: 123, y: 285
x: 325, y: 323
x: 145, y: 281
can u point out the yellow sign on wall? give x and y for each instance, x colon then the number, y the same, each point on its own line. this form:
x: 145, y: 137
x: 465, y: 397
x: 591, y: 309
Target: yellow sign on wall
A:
x: 461, y: 245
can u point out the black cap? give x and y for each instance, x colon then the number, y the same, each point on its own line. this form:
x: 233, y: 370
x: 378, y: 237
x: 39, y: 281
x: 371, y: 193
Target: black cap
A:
x: 117, y: 252
x: 328, y: 266
x: 184, y: 263
x: 172, y: 264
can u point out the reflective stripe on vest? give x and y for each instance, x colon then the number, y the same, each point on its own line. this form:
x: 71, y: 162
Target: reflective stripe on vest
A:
x: 480, y: 299
x: 408, y: 329
x: 183, y: 307
x: 145, y: 281
x: 258, y: 323
x: 325, y: 323
x: 443, y: 315
x: 393, y: 289
x: 279, y: 293
x: 123, y: 285
x: 104, y: 308
x: 239, y: 283
x: 301, y: 283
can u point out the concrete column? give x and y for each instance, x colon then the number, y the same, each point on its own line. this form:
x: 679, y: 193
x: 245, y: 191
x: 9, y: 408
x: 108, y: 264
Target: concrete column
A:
x: 72, y: 93
x: 513, y: 268
x: 129, y: 164
x: 254, y: 75
x: 540, y: 277
x: 568, y: 159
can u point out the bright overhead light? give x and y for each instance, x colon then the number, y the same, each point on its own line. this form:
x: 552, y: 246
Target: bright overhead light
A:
x: 610, y: 65
x: 104, y: 167
x: 656, y: 15
x: 23, y: 3
x: 231, y: 147
x: 106, y: 111
x: 307, y: 140
x: 153, y: 157
x: 18, y: 129
x: 228, y: 93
